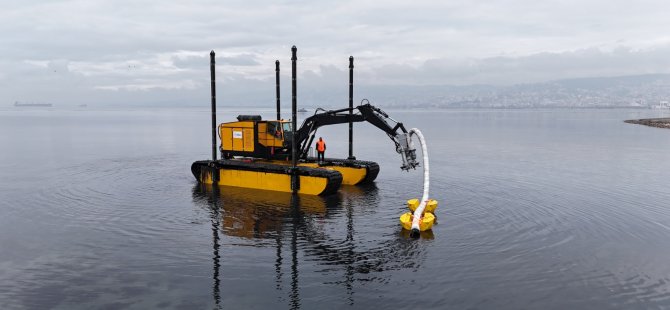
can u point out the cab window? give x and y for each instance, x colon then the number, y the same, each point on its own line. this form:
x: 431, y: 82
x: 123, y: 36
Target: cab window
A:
x: 272, y: 127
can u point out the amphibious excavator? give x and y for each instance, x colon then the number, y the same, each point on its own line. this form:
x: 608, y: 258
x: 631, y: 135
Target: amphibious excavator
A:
x: 274, y: 155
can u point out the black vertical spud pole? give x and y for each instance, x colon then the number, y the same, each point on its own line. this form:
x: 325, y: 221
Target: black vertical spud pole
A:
x: 213, y: 79
x: 294, y: 122
x: 277, y: 78
x: 351, y: 107
x: 215, y: 172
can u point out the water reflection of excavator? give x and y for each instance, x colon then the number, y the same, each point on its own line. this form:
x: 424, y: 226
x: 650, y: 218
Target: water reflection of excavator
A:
x: 256, y: 152
x: 251, y: 213
x: 295, y: 223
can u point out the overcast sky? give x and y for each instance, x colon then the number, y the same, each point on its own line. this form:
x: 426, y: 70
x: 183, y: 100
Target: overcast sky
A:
x: 151, y: 51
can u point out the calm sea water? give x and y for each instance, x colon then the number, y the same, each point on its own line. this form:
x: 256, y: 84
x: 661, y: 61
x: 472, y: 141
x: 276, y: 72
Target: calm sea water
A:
x: 539, y: 209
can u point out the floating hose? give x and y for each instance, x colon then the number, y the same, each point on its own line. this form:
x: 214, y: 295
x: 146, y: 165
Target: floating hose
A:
x: 416, y: 220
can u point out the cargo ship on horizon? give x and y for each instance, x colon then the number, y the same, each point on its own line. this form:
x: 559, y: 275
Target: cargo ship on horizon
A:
x: 32, y: 104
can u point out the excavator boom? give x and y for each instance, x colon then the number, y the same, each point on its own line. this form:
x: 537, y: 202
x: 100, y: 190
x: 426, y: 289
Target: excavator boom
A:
x: 304, y: 136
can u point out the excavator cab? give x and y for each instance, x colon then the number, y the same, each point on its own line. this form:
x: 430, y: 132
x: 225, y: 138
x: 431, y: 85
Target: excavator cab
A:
x: 278, y: 128
x: 274, y: 128
x: 250, y: 136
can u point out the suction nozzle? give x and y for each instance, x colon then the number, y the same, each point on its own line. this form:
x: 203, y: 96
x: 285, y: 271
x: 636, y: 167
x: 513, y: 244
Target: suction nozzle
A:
x: 407, y: 152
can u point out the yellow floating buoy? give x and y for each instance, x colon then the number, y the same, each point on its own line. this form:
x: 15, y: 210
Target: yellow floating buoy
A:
x: 426, y: 222
x: 412, y: 204
x: 431, y: 206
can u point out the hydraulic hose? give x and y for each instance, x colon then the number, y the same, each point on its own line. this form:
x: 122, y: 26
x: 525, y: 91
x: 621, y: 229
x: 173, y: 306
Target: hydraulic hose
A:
x: 426, y: 182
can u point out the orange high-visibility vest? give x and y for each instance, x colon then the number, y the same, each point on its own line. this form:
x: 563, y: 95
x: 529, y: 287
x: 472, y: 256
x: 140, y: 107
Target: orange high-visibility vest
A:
x: 321, y: 146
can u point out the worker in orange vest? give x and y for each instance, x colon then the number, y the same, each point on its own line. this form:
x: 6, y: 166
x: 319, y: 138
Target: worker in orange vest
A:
x: 321, y: 150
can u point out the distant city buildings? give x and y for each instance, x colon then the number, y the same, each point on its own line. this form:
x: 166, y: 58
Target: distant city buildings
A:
x: 646, y: 91
x: 663, y: 104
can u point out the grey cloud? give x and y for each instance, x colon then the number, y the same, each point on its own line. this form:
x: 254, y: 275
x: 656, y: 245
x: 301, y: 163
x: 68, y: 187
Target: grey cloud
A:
x: 240, y: 60
x: 538, y: 67
x: 191, y: 62
x: 202, y: 61
x: 108, y: 50
x: 59, y: 65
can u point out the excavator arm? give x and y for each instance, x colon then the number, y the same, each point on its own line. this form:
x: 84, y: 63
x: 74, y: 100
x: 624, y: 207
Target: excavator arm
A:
x: 304, y: 136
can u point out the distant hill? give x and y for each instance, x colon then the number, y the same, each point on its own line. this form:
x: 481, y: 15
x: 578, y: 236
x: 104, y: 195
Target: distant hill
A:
x: 640, y: 91
x: 624, y: 91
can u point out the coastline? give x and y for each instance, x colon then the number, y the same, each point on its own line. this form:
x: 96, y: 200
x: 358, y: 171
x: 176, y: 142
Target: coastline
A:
x: 663, y: 122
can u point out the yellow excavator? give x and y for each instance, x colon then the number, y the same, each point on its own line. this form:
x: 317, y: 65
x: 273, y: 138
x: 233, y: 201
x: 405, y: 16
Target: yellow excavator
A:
x: 271, y: 155
x: 256, y: 152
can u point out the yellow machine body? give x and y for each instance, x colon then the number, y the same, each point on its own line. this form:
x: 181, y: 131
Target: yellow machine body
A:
x: 237, y: 136
x: 310, y: 185
x: 245, y: 137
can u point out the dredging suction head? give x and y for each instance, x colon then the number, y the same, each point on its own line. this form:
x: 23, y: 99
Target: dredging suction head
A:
x: 407, y: 152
